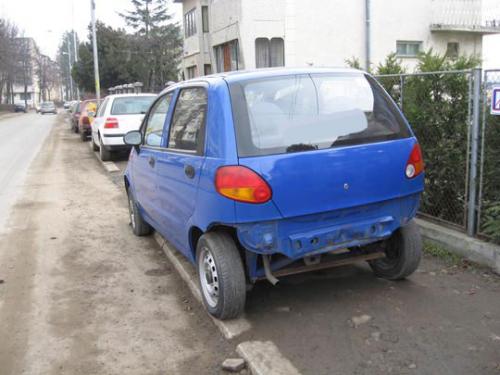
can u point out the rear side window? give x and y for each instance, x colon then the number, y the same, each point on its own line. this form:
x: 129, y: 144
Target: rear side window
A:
x: 312, y: 112
x: 156, y: 120
x: 133, y: 105
x: 102, y: 108
x: 186, y: 130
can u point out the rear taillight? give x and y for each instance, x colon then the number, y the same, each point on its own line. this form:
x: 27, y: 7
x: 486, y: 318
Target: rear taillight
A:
x: 415, y: 163
x: 85, y: 120
x: 242, y: 184
x: 111, y: 123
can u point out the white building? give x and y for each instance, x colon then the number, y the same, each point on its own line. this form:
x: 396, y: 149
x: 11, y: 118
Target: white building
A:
x: 222, y: 35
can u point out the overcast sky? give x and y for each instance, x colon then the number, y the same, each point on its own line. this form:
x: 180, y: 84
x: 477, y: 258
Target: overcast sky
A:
x: 46, y: 20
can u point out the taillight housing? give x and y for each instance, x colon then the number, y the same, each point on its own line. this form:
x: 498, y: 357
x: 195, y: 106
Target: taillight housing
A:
x: 242, y: 184
x: 415, y: 163
x: 111, y: 123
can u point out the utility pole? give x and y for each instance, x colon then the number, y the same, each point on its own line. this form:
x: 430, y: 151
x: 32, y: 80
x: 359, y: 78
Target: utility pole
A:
x: 69, y: 71
x: 74, y: 43
x: 96, y: 61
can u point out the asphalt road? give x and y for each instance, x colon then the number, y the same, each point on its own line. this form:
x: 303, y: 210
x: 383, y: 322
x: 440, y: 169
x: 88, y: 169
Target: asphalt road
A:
x: 21, y: 136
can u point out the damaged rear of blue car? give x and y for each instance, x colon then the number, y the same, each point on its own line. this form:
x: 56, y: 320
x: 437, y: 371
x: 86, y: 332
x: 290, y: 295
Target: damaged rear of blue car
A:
x: 258, y: 175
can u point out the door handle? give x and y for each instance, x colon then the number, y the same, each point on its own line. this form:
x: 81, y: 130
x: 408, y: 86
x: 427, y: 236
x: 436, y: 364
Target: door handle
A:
x: 152, y: 162
x: 189, y: 171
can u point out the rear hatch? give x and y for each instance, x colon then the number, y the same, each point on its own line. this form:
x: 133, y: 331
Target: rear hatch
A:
x: 129, y: 111
x: 321, y: 141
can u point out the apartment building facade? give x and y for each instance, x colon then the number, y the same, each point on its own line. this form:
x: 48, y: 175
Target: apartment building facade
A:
x: 224, y: 35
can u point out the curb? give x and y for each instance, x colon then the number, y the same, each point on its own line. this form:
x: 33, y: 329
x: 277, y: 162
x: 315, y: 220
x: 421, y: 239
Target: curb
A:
x: 481, y: 252
x: 264, y: 358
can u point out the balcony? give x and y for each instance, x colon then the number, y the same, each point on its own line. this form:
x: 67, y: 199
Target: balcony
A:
x: 468, y: 16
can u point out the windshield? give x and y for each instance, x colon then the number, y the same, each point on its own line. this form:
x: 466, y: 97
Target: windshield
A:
x: 131, y: 105
x: 47, y: 104
x: 311, y: 112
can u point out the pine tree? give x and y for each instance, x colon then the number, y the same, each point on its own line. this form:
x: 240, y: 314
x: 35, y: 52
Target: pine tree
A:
x: 147, y: 16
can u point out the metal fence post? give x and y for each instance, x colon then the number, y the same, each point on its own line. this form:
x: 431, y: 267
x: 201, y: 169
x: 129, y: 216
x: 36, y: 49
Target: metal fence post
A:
x: 476, y: 114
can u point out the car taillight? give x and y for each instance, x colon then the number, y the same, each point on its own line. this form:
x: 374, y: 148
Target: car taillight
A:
x: 85, y: 120
x: 242, y: 184
x: 415, y: 163
x: 111, y: 123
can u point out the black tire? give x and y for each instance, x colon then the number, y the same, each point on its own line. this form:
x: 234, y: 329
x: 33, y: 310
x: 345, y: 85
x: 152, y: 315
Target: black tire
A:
x: 228, y: 279
x: 139, y: 226
x: 94, y: 146
x: 83, y: 136
x: 104, y: 154
x: 403, y: 252
x: 75, y: 128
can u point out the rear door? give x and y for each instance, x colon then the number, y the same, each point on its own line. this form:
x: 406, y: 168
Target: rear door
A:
x: 144, y: 171
x: 323, y: 142
x: 179, y: 166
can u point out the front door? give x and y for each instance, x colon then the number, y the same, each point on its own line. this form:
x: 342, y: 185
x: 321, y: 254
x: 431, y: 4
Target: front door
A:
x: 145, y: 176
x: 180, y: 165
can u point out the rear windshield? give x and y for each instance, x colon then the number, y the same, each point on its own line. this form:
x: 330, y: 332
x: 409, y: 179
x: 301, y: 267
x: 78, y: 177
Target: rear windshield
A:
x: 47, y: 104
x: 132, y: 105
x: 312, y: 112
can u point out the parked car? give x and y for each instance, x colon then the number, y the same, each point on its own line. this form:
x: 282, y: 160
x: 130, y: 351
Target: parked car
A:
x: 67, y: 105
x: 86, y: 118
x: 48, y: 107
x: 256, y: 175
x: 74, y: 116
x: 117, y: 115
x: 20, y: 107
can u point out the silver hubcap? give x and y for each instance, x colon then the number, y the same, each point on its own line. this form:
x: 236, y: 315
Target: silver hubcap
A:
x: 131, y: 212
x: 209, y: 278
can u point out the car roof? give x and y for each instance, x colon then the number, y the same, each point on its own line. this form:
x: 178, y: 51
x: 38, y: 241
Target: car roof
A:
x: 114, y: 96
x: 241, y: 75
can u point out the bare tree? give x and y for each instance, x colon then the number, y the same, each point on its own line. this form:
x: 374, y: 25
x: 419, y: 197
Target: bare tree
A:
x: 8, y: 58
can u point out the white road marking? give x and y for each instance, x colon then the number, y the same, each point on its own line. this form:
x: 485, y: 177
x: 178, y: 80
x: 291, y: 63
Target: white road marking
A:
x: 229, y: 328
x: 263, y: 358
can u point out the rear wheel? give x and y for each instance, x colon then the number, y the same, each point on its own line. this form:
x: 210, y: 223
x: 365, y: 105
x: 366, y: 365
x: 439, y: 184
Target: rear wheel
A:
x: 94, y: 146
x: 139, y: 226
x: 221, y: 275
x: 104, y: 154
x: 83, y: 136
x: 402, y: 254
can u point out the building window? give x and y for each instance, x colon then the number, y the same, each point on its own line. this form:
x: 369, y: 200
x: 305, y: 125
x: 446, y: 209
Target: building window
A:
x: 408, y: 49
x: 190, y: 23
x: 191, y: 72
x: 269, y: 53
x: 22, y: 96
x: 227, y: 56
x: 207, y: 69
x: 452, y: 50
x: 204, y: 18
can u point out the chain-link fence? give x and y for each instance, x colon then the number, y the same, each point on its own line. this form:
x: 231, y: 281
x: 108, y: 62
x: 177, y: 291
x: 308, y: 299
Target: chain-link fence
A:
x: 489, y: 170
x: 438, y: 107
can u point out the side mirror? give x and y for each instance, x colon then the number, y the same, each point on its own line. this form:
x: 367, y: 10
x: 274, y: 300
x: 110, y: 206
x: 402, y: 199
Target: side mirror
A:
x: 133, y: 138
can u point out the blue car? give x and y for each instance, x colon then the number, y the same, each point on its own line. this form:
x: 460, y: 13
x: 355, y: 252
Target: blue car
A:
x: 257, y: 175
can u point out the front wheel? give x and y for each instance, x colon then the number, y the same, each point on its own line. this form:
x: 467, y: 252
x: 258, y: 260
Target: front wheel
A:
x: 221, y: 275
x: 403, y: 252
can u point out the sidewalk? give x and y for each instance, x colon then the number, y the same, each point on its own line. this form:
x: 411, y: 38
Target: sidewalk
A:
x: 80, y: 293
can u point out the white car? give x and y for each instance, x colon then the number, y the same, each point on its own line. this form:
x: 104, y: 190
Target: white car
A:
x: 117, y: 115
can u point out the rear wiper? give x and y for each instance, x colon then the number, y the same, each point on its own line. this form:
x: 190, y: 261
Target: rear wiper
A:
x: 301, y: 147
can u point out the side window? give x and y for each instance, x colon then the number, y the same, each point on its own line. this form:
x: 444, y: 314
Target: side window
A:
x: 187, y: 122
x: 102, y: 108
x: 156, y: 120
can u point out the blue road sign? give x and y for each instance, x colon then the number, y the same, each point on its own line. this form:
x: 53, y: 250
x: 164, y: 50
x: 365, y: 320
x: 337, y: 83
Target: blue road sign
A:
x: 495, y: 101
